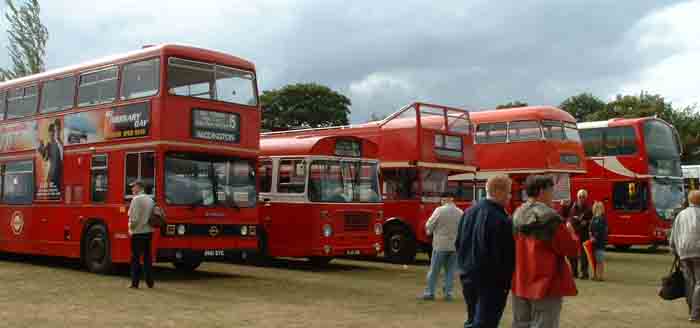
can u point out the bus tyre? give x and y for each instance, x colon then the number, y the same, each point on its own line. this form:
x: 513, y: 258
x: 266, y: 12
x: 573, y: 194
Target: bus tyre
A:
x: 97, y: 252
x: 320, y: 261
x: 188, y: 265
x: 399, y: 245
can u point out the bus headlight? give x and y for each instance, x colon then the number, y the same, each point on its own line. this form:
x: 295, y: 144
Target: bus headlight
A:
x: 181, y: 229
x: 327, y: 230
x: 244, y: 230
x: 377, y: 229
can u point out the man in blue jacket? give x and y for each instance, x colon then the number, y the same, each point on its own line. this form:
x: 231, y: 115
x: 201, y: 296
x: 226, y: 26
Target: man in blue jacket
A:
x: 486, y: 255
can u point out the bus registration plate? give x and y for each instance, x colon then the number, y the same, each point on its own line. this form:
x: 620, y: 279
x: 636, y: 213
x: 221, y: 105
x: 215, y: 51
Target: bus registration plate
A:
x: 214, y: 253
x: 352, y: 252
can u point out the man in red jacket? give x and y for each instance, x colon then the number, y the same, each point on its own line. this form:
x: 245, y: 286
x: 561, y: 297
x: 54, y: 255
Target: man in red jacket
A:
x: 542, y: 241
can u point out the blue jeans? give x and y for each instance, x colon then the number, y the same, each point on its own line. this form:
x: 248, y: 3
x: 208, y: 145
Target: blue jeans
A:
x: 446, y: 260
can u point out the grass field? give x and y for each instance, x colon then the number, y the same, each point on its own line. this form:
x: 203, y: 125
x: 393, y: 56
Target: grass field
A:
x: 52, y: 293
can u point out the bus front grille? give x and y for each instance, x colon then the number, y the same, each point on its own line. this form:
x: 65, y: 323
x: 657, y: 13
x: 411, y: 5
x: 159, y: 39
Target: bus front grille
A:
x: 356, y: 222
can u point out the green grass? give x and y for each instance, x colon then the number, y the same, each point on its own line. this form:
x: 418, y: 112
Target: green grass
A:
x: 51, y: 293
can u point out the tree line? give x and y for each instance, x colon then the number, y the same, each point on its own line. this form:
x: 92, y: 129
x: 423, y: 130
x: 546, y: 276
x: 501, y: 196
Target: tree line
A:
x: 311, y: 105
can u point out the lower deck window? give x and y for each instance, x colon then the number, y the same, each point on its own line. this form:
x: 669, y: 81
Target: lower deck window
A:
x: 18, y: 182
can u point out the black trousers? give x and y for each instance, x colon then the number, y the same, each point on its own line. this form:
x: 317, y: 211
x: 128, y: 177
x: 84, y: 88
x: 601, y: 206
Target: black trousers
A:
x: 141, y: 247
x: 485, y: 305
x: 582, y: 260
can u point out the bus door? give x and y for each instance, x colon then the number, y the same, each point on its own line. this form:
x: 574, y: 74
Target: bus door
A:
x: 630, y: 206
x: 285, y: 215
x: 17, y: 195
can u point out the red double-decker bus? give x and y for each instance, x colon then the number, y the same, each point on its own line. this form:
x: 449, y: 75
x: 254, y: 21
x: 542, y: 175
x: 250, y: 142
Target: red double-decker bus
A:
x: 320, y: 196
x: 182, y: 119
x: 634, y: 166
x: 522, y: 141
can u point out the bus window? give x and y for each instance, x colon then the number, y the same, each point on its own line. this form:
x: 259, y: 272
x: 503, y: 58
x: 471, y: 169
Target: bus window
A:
x: 21, y: 102
x: 630, y: 196
x: 400, y: 184
x: 292, y: 176
x: 553, y: 130
x: 571, y: 132
x: 235, y: 86
x: 18, y: 182
x: 265, y: 176
x: 57, y: 94
x: 343, y: 182
x: 140, y: 166
x: 3, y: 105
x: 98, y: 178
x: 98, y: 87
x: 140, y: 79
x: 491, y: 132
x: 620, y: 141
x: 592, y: 142
x: 432, y: 118
x: 524, y: 131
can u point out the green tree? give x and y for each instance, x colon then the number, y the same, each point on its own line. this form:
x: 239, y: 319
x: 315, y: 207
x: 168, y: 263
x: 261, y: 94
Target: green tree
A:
x: 27, y: 40
x: 582, y: 105
x: 512, y: 104
x: 303, y: 105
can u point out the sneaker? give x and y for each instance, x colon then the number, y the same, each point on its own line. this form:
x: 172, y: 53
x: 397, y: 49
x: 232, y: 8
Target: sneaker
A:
x: 426, y: 298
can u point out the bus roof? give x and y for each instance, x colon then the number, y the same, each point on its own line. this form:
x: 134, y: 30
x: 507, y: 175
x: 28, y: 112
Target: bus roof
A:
x: 617, y: 122
x: 181, y: 50
x: 298, y: 145
x: 522, y: 114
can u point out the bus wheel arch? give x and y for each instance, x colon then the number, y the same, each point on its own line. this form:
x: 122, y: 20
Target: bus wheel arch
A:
x: 399, y: 241
x: 95, y: 247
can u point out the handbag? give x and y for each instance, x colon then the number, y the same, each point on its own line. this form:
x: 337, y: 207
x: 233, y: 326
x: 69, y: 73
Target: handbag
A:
x: 157, y: 218
x: 673, y: 285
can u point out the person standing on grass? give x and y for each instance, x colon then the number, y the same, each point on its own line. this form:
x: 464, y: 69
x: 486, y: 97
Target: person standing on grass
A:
x: 442, y: 225
x: 599, y: 238
x: 543, y: 240
x: 141, y: 233
x: 485, y: 254
x: 580, y: 215
x: 685, y: 243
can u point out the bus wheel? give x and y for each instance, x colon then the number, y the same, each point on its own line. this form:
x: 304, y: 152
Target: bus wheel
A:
x: 399, y: 245
x: 188, y: 265
x: 98, y: 257
x: 320, y: 261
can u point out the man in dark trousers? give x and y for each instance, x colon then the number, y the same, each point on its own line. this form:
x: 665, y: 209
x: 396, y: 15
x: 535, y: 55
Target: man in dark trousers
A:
x: 141, y: 234
x: 486, y: 255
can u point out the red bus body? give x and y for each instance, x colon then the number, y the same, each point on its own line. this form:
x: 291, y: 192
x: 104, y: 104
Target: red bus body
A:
x: 142, y: 115
x: 634, y: 167
x: 320, y: 196
x: 522, y: 141
x: 420, y: 146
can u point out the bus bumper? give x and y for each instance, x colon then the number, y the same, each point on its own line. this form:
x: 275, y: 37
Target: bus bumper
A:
x: 337, y: 251
x: 180, y: 254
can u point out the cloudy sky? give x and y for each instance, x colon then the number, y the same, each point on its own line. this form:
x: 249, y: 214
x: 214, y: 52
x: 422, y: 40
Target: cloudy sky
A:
x: 383, y: 54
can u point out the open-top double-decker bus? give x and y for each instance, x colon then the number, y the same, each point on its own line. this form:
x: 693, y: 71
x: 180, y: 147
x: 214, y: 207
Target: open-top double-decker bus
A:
x: 634, y: 167
x: 184, y: 120
x: 522, y: 141
x: 320, y: 196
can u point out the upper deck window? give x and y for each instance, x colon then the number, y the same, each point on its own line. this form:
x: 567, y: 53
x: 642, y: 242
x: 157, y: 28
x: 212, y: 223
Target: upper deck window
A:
x: 458, y: 122
x: 21, y: 102
x: 57, y: 94
x: 140, y: 79
x: 491, y: 132
x: 3, y: 105
x: 571, y: 132
x: 613, y: 141
x: 553, y: 130
x: 524, y: 131
x: 208, y: 81
x: 98, y: 87
x: 663, y: 148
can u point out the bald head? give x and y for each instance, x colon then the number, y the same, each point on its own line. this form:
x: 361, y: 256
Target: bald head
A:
x: 498, y: 188
x: 694, y: 198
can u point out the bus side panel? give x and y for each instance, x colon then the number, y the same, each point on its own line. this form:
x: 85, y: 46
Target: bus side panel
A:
x: 288, y: 227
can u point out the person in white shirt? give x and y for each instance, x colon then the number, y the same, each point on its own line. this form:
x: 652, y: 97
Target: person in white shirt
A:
x: 141, y: 234
x: 442, y: 225
x: 685, y: 243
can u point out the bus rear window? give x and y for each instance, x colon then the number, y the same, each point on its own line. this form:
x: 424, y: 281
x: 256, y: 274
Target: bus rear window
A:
x: 208, y: 81
x: 140, y: 79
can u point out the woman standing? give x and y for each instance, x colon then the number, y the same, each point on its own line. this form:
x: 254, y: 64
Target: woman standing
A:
x: 599, y: 238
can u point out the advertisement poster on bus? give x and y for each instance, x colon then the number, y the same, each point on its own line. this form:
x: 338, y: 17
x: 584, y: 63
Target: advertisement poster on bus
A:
x: 49, y: 159
x: 18, y: 136
x: 96, y: 126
